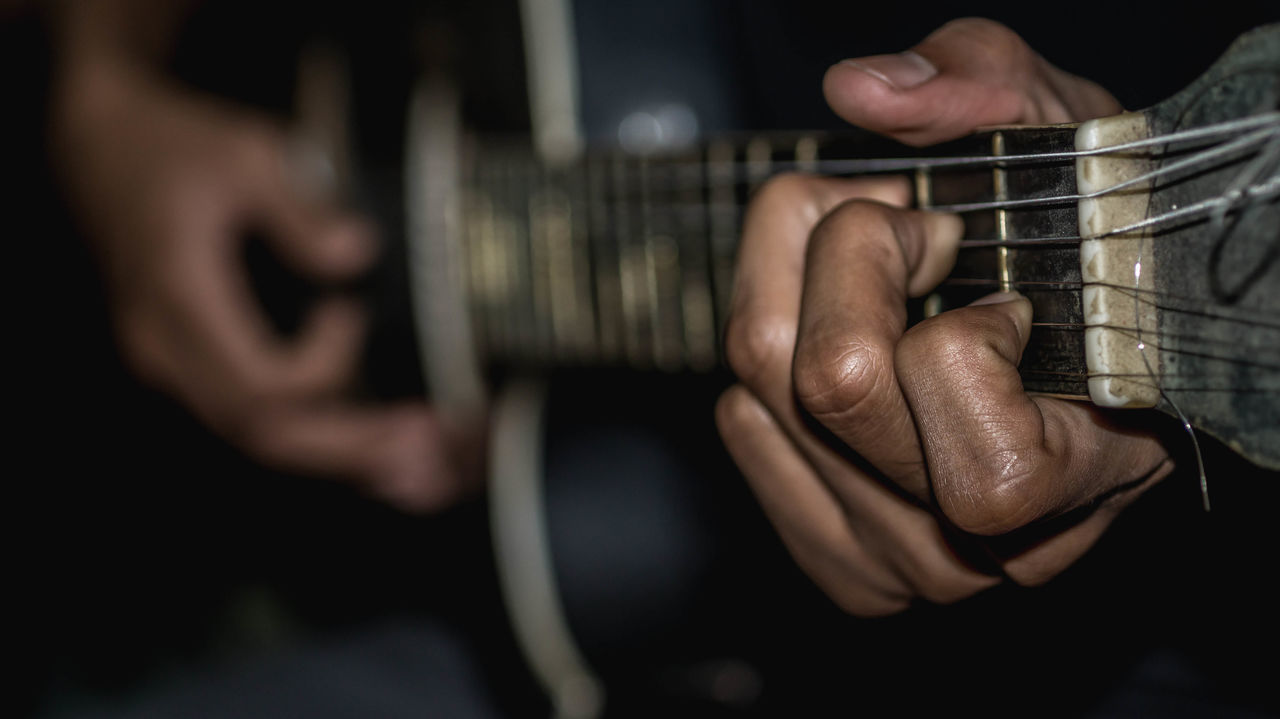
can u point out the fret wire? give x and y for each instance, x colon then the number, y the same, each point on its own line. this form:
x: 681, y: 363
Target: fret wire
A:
x: 723, y: 216
x: 661, y: 262
x: 1163, y: 170
x: 697, y: 304
x: 1000, y: 183
x: 1002, y: 202
x: 585, y: 343
x: 626, y: 267
x: 653, y: 336
x: 1031, y: 243
x: 527, y: 321
x: 540, y: 260
x: 923, y: 182
x: 475, y: 221
x: 605, y: 252
x: 1253, y: 194
x: 742, y: 171
x: 562, y: 272
x: 725, y: 213
x: 505, y: 250
x: 806, y: 154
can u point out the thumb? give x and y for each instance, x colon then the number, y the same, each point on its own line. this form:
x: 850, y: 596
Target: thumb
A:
x: 967, y: 74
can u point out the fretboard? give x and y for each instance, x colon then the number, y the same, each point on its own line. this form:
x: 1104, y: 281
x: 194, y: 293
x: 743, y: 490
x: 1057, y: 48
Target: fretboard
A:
x: 628, y: 260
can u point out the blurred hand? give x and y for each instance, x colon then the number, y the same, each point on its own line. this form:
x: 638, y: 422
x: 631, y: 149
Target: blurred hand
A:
x: 167, y: 185
x: 905, y: 463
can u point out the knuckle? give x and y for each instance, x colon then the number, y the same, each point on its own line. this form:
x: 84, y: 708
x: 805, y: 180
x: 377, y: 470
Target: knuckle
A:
x: 870, y: 217
x: 872, y: 231
x: 984, y: 27
x: 944, y: 337
x: 960, y: 340
x: 991, y: 38
x: 991, y: 494
x: 756, y: 340
x: 801, y: 198
x: 839, y: 378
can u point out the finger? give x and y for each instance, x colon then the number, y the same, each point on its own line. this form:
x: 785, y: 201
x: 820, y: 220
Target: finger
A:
x: 808, y: 518
x: 967, y: 74
x: 225, y: 358
x: 398, y: 453
x: 864, y: 260
x: 999, y: 458
x: 760, y: 339
x: 313, y: 238
x: 854, y: 536
x: 323, y: 359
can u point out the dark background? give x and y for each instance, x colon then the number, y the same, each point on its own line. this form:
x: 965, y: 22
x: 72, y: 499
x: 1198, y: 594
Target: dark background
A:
x: 143, y: 550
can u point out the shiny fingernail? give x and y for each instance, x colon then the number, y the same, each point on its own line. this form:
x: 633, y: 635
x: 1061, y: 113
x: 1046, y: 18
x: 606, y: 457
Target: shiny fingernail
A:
x: 997, y: 298
x: 901, y: 71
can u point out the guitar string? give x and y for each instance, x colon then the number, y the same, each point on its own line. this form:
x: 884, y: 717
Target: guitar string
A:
x: 1207, y: 356
x: 1213, y: 208
x: 1159, y: 383
x: 1173, y: 336
x: 722, y: 172
x: 1256, y: 192
x: 1076, y: 374
x: 1072, y: 285
x: 1200, y: 159
x: 737, y: 172
x: 1217, y: 208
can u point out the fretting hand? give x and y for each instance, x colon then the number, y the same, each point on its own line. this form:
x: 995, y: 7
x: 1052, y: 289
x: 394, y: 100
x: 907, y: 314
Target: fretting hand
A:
x: 905, y: 463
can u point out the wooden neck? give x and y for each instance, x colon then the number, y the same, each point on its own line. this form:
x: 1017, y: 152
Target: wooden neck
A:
x: 628, y: 260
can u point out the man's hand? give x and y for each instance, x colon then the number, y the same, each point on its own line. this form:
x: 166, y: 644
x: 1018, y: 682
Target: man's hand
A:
x: 167, y: 183
x: 910, y: 463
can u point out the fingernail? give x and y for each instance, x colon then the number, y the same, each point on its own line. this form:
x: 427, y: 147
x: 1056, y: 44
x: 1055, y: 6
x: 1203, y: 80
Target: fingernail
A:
x: 901, y: 71
x: 997, y: 298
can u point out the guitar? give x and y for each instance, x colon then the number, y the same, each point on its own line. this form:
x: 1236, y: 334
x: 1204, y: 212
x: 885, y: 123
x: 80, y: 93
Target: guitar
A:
x: 1148, y: 244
